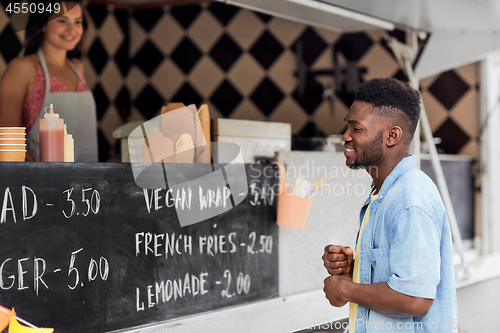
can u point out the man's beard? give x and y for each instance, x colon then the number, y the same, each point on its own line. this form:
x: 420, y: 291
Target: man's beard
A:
x: 371, y: 155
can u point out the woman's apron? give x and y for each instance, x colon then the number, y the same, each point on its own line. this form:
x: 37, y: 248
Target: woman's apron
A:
x: 79, y: 113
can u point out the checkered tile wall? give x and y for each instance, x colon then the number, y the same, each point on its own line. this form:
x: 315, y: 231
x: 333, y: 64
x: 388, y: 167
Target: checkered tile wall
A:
x: 242, y: 63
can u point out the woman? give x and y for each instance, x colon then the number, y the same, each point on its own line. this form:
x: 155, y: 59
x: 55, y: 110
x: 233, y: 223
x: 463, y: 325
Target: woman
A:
x: 50, y: 73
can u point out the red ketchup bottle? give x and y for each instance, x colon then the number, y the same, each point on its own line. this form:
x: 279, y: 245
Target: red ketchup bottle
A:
x: 51, y: 137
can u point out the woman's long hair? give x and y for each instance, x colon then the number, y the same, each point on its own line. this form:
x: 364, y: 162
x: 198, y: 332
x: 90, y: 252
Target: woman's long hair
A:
x: 35, y: 35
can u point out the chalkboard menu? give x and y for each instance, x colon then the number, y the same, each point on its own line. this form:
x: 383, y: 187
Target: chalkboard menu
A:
x: 84, y: 249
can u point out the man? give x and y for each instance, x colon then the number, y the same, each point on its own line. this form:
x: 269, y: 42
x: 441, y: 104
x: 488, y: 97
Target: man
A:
x: 402, y: 276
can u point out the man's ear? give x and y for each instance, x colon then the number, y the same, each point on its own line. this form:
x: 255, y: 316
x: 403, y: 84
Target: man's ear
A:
x: 394, y: 136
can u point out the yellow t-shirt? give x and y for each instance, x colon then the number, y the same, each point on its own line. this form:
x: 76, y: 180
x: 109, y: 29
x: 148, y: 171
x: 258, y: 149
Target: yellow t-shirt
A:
x: 353, y: 307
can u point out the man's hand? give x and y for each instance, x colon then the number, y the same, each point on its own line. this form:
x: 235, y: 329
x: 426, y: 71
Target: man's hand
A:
x: 338, y: 259
x: 334, y: 289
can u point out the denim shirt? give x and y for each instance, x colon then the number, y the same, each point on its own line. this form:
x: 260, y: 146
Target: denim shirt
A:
x: 407, y: 243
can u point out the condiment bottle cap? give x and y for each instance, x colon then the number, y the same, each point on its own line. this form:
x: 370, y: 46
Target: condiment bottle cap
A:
x: 51, y: 113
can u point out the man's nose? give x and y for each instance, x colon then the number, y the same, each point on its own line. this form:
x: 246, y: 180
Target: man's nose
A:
x: 346, y: 136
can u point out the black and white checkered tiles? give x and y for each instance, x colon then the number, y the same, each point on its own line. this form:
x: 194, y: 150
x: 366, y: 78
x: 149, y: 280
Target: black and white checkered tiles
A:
x: 242, y: 64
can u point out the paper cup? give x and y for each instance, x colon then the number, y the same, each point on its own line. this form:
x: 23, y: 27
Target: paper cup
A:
x: 12, y: 129
x: 292, y: 210
x: 12, y: 155
x: 12, y: 146
x: 10, y: 141
x: 13, y: 135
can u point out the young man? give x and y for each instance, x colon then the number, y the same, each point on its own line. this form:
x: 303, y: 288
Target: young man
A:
x: 402, y: 278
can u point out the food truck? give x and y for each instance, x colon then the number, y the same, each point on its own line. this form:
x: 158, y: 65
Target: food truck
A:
x: 135, y: 243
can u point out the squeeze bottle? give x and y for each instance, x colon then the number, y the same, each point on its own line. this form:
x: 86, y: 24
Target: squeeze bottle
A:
x: 51, y: 137
x: 69, y: 146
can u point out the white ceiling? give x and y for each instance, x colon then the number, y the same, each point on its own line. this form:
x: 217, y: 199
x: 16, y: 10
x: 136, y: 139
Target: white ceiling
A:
x: 462, y: 31
x: 307, y: 15
x: 280, y: 8
x: 431, y: 15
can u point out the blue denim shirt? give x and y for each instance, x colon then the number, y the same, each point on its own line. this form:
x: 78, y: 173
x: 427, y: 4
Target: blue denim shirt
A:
x: 407, y: 243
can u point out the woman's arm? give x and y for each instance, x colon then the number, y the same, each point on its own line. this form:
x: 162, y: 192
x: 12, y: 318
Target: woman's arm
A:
x: 14, y: 87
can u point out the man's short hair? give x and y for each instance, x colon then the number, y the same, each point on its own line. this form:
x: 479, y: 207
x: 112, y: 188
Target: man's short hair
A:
x: 394, y: 99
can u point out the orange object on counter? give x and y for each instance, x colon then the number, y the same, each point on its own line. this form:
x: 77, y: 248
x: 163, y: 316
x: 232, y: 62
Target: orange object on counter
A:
x: 12, y: 136
x: 12, y: 141
x: 21, y: 130
x: 12, y: 155
x: 292, y: 210
x: 51, y: 137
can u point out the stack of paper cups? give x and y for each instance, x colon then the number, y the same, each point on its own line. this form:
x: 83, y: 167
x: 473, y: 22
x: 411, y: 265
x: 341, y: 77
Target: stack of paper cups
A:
x: 12, y: 144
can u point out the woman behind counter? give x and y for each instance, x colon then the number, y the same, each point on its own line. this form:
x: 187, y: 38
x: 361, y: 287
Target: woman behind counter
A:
x: 50, y: 73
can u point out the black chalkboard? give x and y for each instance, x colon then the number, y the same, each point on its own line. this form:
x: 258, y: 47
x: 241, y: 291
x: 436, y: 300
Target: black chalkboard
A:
x: 460, y: 181
x: 94, y: 259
